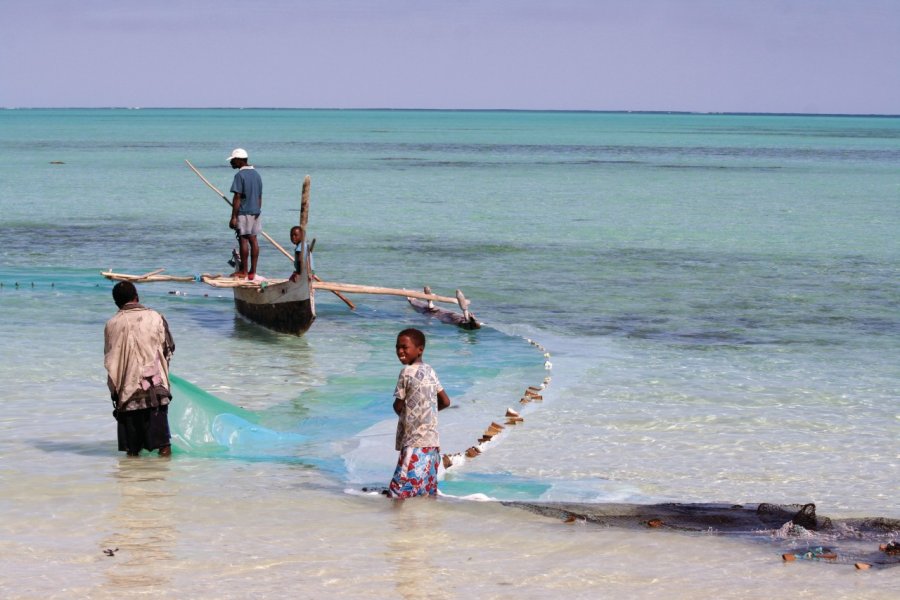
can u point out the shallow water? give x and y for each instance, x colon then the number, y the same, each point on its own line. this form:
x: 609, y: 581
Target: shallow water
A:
x: 718, y: 296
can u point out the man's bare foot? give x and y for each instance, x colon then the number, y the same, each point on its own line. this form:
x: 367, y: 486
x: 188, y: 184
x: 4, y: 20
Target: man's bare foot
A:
x: 251, y: 275
x: 165, y: 451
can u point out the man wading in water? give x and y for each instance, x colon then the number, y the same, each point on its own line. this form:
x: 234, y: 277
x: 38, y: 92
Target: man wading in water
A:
x: 137, y: 350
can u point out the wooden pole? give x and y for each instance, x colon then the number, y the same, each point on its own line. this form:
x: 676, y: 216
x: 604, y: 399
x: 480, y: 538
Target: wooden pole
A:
x: 145, y: 275
x: 353, y: 288
x: 274, y: 243
x: 225, y: 198
x: 304, y: 206
x: 304, y: 219
x: 336, y: 293
x: 463, y: 304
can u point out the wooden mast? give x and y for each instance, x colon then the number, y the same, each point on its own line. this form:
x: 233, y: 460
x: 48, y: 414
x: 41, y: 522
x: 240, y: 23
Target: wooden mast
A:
x: 307, y: 249
x: 304, y: 207
x: 304, y: 219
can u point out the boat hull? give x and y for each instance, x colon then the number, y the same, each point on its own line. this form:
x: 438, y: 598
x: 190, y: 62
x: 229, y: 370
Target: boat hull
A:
x: 287, y: 307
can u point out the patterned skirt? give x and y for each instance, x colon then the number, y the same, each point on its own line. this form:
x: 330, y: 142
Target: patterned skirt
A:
x: 416, y: 473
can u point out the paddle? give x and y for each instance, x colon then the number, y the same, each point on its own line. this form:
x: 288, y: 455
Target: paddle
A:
x: 264, y: 234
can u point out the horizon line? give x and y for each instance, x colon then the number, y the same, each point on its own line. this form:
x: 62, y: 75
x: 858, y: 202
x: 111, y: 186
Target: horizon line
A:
x: 510, y: 110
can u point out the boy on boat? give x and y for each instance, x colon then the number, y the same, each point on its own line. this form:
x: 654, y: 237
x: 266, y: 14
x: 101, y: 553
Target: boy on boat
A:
x: 302, y: 255
x: 137, y: 350
x: 417, y: 399
x: 246, y: 208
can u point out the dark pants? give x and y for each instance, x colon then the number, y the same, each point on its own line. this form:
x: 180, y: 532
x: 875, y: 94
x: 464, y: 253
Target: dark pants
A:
x: 145, y: 428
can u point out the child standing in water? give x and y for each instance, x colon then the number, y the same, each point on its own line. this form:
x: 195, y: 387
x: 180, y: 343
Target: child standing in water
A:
x: 417, y: 399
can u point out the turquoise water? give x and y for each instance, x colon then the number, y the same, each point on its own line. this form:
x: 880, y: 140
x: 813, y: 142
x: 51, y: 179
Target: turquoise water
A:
x: 718, y: 295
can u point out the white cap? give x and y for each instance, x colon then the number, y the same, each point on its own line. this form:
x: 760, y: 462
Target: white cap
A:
x: 237, y: 153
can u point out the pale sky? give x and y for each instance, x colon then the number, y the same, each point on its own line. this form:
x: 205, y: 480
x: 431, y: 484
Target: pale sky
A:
x: 809, y: 56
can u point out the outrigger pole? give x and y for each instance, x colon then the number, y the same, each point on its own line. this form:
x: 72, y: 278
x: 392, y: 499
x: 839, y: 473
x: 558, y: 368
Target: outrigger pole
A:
x: 354, y: 288
x: 304, y: 205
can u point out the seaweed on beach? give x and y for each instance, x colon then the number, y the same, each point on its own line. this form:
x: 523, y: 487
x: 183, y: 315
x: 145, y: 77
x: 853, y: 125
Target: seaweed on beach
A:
x: 866, y: 542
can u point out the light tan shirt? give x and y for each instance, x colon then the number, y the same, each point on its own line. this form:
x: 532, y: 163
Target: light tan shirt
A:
x: 137, y: 350
x: 417, y: 387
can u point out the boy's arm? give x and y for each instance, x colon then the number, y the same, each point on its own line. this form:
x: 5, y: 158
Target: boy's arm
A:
x: 443, y: 400
x: 296, y: 274
x: 399, y: 406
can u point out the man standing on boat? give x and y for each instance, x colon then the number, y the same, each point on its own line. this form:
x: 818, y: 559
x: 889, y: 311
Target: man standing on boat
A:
x: 245, y: 211
x: 137, y: 350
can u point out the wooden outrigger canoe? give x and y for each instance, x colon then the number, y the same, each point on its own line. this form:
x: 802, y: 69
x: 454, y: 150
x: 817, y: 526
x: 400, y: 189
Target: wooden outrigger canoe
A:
x: 288, y: 306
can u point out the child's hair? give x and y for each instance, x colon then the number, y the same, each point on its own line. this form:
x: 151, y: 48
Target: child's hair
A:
x: 123, y: 293
x: 417, y: 337
x: 294, y: 228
